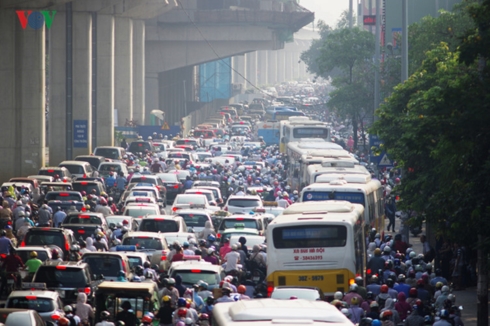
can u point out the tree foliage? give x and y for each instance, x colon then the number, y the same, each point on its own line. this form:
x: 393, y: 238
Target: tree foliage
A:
x: 436, y: 126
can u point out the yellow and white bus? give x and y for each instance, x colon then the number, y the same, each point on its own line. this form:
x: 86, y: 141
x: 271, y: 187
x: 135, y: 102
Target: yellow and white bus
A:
x: 369, y: 194
x: 298, y: 128
x: 276, y: 312
x: 320, y: 245
x: 327, y: 167
x: 310, y: 151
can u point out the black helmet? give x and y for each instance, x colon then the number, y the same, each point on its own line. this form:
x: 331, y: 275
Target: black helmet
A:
x: 210, y: 300
x: 139, y: 270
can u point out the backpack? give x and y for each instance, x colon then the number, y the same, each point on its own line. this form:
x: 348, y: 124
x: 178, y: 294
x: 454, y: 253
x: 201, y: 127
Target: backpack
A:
x: 72, y: 320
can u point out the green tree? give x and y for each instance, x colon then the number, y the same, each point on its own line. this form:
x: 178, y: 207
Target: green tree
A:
x: 349, y: 51
x: 309, y: 57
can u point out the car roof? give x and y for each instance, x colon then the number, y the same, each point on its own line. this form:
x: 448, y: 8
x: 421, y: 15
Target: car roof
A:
x: 33, y: 248
x: 136, y: 234
x: 192, y: 211
x: 74, y: 162
x: 240, y: 231
x: 245, y: 197
x: 142, y: 205
x: 48, y: 229
x: 105, y: 253
x: 243, y: 216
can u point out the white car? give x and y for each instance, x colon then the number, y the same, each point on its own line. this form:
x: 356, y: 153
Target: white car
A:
x: 193, y: 271
x: 242, y: 204
x: 139, y: 210
x: 192, y: 201
x: 195, y: 218
x: 208, y: 193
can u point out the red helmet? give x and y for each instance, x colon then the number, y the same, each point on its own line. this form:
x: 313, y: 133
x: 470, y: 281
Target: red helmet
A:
x: 103, y: 201
x: 84, y: 193
x: 386, y: 313
x: 397, y: 180
x: 125, y: 222
x: 420, y: 282
x: 241, y: 289
x: 384, y: 288
x: 147, y: 319
x: 182, y: 312
x: 413, y: 292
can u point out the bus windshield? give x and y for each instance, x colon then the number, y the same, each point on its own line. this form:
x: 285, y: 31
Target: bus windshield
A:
x: 309, y: 236
x: 353, y: 197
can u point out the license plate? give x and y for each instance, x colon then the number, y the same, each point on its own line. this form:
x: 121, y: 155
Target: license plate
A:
x: 256, y: 279
x: 10, y: 281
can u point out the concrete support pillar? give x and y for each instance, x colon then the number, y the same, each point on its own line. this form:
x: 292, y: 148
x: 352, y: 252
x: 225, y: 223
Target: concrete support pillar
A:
x: 57, y: 90
x: 139, y: 71
x: 272, y: 66
x: 281, y: 66
x: 252, y: 68
x: 22, y: 93
x: 105, y: 80
x: 82, y: 79
x: 289, y: 66
x: 240, y: 60
x: 262, y: 68
x: 123, y: 74
x: 151, y: 95
x: 234, y: 73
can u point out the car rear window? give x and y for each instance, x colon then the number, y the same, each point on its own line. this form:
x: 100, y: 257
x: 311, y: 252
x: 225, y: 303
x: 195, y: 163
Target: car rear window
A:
x: 51, y: 172
x: 286, y: 294
x: 168, y: 178
x: 45, y: 238
x: 244, y: 202
x: 139, y: 147
x: 159, y: 225
x: 104, y: 264
x: 33, y: 303
x: 74, y: 168
x: 208, y: 195
x: 87, y: 187
x: 63, y: 196
x: 58, y: 276
x: 197, y: 200
x: 107, y: 152
x: 193, y: 220
x: 25, y: 255
x: 195, y: 275
x: 140, y: 212
x: 152, y: 181
x: 143, y: 243
x: 245, y: 223
x: 106, y: 168
x: 82, y: 219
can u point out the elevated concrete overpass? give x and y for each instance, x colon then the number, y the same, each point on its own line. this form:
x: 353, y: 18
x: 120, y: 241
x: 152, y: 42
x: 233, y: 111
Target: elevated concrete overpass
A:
x: 94, y: 64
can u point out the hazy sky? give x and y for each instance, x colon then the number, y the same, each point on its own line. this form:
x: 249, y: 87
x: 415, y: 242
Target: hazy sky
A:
x: 327, y: 10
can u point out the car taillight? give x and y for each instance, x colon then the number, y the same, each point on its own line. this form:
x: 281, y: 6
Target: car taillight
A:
x: 67, y: 245
x: 87, y: 291
x: 31, y: 297
x: 218, y: 235
x: 81, y: 231
x: 176, y: 187
x: 23, y: 243
x: 270, y: 288
x: 61, y: 267
x: 175, y: 208
x: 368, y: 271
x: 163, y: 258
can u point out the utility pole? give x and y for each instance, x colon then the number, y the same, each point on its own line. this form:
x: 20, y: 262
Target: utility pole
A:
x: 351, y: 13
x: 404, y: 40
x: 377, y: 55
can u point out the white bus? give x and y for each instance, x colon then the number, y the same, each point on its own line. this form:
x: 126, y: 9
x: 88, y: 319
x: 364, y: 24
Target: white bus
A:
x: 368, y: 194
x: 326, y: 167
x: 320, y: 245
x: 308, y: 150
x: 278, y: 313
x: 295, y: 129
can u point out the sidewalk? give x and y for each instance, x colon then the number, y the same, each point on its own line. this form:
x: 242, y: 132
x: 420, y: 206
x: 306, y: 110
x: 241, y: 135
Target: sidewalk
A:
x: 466, y: 298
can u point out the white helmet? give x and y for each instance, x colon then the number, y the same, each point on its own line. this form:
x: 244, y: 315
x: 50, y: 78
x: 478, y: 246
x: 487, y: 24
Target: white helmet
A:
x: 149, y: 138
x: 338, y: 295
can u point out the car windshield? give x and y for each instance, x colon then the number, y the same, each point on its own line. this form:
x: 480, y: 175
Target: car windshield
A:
x: 143, y: 243
x: 61, y: 278
x: 82, y: 219
x: 45, y: 238
x: 140, y: 212
x: 154, y: 225
x: 31, y: 302
x: 196, y: 200
x: 135, y: 261
x: 107, y: 152
x: 74, y: 168
x: 104, y: 264
x: 244, y: 202
x: 195, y: 275
x: 193, y: 220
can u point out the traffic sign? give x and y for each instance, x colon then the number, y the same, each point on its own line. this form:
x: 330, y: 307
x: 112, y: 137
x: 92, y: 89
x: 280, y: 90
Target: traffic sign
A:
x: 384, y: 161
x: 165, y: 126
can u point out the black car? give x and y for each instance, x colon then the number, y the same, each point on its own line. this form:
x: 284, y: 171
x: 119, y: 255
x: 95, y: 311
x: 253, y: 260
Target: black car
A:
x: 47, y: 236
x: 84, y: 225
x: 140, y: 146
x: 172, y: 184
x: 68, y: 278
x: 88, y: 186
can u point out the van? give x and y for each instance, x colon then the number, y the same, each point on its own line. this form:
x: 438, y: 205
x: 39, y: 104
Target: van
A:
x: 78, y: 169
x: 94, y: 160
x: 112, y: 152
